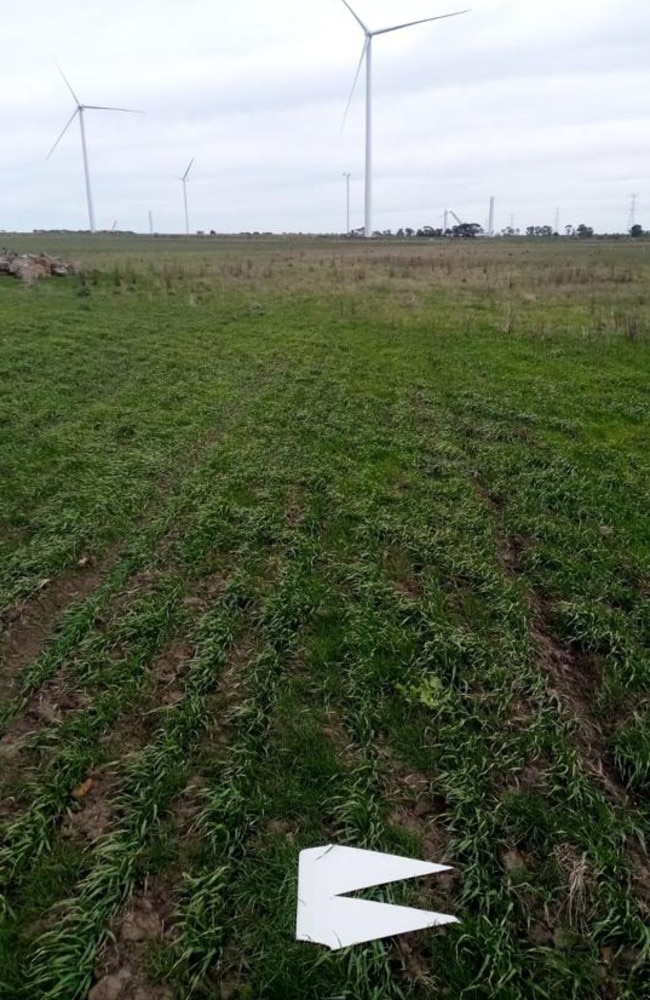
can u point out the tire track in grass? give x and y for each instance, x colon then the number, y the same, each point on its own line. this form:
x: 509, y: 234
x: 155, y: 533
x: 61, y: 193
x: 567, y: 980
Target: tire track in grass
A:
x: 52, y: 687
x: 571, y: 679
x: 190, y: 543
x: 41, y: 631
x: 80, y: 626
x: 471, y: 704
x: 575, y: 765
x: 337, y: 788
x: 149, y: 919
x: 264, y: 530
x: 71, y: 749
x: 26, y: 594
x: 473, y: 755
x: 98, y: 808
x: 229, y: 820
x: 119, y: 679
x: 63, y: 960
x: 30, y: 626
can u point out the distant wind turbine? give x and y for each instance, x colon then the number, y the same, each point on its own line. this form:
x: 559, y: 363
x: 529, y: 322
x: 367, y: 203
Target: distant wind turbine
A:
x: 80, y: 110
x: 183, y: 181
x: 366, y: 53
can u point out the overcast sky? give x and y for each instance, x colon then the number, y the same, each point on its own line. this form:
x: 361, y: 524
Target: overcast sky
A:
x: 541, y: 103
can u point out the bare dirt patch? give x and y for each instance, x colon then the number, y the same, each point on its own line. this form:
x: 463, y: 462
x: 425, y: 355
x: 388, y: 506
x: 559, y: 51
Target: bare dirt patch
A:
x: 574, y: 678
x: 133, y: 730
x: 121, y: 973
x: 167, y: 670
x: 294, y: 514
x: 30, y: 626
x: 417, y: 808
x: 335, y: 732
x: 92, y: 810
x: 49, y: 706
x: 513, y: 552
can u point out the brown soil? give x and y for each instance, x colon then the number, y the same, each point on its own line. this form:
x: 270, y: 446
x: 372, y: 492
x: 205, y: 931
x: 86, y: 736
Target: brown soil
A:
x: 121, y: 973
x: 410, y: 587
x: 294, y: 514
x: 30, y: 626
x: 401, y: 572
x: 232, y: 684
x: 335, y: 732
x: 573, y: 680
x: 417, y: 809
x: 420, y: 811
x: 513, y: 552
x: 92, y: 811
x: 50, y: 705
x: 167, y: 670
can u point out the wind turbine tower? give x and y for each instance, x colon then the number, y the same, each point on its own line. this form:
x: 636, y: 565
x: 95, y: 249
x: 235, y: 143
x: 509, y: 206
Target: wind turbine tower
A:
x: 366, y: 54
x: 491, y: 218
x: 80, y: 109
x: 347, y: 176
x: 631, y: 222
x: 183, y: 180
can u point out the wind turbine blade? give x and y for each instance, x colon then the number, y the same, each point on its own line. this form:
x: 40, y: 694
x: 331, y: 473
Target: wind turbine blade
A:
x: 424, y: 20
x: 356, y: 80
x: 187, y: 172
x: 68, y: 124
x: 102, y: 107
x: 356, y: 17
x: 67, y: 83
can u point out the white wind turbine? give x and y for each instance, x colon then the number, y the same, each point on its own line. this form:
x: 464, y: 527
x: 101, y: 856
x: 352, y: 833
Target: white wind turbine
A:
x: 366, y: 53
x: 183, y: 181
x: 80, y: 110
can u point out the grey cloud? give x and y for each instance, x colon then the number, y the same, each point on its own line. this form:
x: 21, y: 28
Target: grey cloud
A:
x: 537, y: 103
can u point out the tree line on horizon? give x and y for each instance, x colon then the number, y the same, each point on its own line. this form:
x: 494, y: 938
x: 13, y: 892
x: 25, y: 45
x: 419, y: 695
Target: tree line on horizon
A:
x: 472, y: 230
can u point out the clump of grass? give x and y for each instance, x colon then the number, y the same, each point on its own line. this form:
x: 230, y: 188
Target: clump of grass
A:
x: 631, y: 745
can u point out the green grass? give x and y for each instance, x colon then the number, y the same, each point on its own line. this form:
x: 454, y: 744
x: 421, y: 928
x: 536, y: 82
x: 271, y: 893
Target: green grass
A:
x: 371, y: 527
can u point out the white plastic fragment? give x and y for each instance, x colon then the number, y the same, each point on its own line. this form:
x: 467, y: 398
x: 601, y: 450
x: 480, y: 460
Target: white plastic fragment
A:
x: 325, y: 916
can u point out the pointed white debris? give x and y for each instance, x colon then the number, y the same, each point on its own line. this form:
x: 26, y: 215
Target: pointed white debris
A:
x: 326, y: 917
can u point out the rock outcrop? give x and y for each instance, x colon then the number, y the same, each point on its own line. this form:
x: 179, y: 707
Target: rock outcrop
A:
x: 28, y: 267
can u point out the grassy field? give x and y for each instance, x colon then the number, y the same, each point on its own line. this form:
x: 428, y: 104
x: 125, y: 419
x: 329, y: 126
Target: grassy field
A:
x: 310, y: 542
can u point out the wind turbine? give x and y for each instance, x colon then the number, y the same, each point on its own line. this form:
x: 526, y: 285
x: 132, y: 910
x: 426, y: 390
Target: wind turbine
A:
x: 347, y: 176
x: 183, y: 181
x: 366, y: 53
x: 80, y: 110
